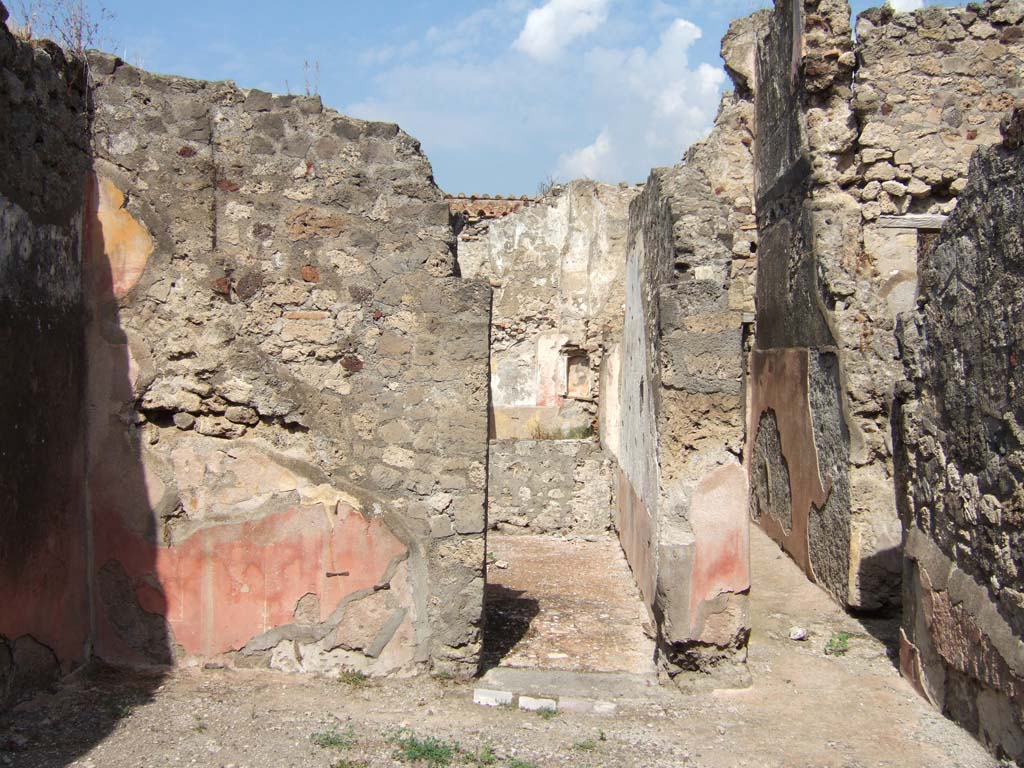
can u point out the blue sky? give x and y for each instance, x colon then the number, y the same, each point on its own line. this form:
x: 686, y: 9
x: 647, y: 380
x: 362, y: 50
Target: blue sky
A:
x: 502, y: 93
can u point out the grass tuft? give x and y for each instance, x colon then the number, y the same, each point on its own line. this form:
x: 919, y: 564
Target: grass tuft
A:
x: 435, y: 753
x: 335, y: 739
x: 485, y: 756
x: 838, y: 644
x: 353, y: 679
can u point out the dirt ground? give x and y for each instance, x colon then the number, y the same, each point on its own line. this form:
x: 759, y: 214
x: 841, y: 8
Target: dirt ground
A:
x: 564, y: 604
x: 805, y: 708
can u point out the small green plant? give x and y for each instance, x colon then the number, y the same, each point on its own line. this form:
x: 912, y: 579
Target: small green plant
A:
x: 200, y: 726
x: 345, y: 762
x: 353, y: 679
x: 334, y: 739
x: 587, y: 745
x: 601, y: 736
x: 485, y: 756
x: 433, y: 752
x: 838, y: 644
x: 515, y: 762
x: 546, y: 713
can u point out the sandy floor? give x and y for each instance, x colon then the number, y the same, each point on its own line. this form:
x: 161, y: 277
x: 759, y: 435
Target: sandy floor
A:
x: 805, y: 708
x: 556, y: 604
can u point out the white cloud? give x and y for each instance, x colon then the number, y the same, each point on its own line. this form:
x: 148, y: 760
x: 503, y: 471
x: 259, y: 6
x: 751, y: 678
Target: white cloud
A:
x: 903, y: 6
x: 493, y: 120
x: 591, y: 161
x: 557, y: 23
x: 659, y: 102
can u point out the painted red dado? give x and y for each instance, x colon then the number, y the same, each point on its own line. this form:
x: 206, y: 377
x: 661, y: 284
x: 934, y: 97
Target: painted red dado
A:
x: 47, y: 599
x: 780, y: 381
x: 636, y: 534
x: 720, y: 525
x: 227, y: 584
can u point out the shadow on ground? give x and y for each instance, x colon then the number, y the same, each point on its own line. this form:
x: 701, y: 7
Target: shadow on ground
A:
x: 507, y: 619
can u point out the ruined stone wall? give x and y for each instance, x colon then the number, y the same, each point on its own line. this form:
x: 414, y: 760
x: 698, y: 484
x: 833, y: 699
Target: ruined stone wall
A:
x: 287, y: 391
x: 558, y: 269
x: 549, y: 486
x: 798, y: 440
x: 931, y: 87
x: 44, y: 619
x: 682, y: 501
x: 959, y: 445
x: 850, y: 185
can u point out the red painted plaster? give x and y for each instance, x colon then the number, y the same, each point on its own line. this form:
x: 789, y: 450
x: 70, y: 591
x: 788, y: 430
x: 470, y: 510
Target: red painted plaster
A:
x: 722, y: 531
x: 226, y: 584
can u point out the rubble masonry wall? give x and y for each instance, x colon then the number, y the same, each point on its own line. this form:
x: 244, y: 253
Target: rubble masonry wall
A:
x: 850, y: 185
x: 682, y: 502
x: 279, y: 347
x: 960, y: 457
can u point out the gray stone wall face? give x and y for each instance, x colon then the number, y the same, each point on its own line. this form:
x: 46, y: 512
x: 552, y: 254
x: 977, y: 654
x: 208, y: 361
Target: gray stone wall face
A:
x: 804, y: 76
x: 850, y: 171
x: 957, y: 429
x: 549, y: 486
x: 44, y: 159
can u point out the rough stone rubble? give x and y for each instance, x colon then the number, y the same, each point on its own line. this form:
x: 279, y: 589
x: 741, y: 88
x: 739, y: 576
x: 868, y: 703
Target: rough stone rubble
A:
x: 957, y: 429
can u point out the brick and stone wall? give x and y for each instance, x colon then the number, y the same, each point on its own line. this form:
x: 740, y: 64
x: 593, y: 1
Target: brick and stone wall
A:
x: 44, y: 161
x: 959, y: 444
x: 278, y: 344
x: 473, y: 212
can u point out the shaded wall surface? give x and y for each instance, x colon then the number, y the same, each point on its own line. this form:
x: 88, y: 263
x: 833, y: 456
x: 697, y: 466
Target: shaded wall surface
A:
x: 681, y: 502
x: 959, y: 452
x: 44, y: 159
x: 277, y: 336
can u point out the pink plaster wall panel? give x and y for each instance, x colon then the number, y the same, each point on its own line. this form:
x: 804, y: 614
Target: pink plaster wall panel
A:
x: 718, y: 516
x: 550, y: 370
x: 226, y: 584
x: 780, y: 382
